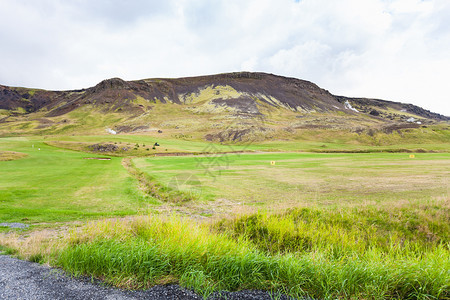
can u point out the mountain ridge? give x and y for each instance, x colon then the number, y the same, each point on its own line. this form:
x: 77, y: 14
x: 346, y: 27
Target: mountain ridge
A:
x: 230, y: 106
x: 294, y: 93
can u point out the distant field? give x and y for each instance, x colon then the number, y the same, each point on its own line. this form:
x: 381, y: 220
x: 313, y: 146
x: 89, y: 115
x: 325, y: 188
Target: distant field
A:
x: 418, y: 140
x: 310, y: 179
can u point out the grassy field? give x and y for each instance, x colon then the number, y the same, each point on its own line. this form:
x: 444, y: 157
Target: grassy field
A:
x: 311, y: 178
x: 370, y: 225
x: 52, y: 184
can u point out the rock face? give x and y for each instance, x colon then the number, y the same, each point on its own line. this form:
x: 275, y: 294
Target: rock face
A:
x: 369, y: 106
x: 26, y: 99
x: 113, y: 83
x: 103, y: 147
x: 240, y: 92
x: 10, y: 99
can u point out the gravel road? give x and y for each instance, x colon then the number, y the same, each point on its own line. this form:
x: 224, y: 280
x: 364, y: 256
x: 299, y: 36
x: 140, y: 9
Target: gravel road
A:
x: 26, y: 280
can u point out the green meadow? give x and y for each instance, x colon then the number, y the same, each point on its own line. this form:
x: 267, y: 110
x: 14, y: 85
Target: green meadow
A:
x: 328, y: 218
x: 309, y: 179
x: 52, y: 184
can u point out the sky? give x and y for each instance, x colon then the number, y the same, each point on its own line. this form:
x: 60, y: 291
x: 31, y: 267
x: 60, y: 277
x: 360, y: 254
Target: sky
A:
x: 395, y: 50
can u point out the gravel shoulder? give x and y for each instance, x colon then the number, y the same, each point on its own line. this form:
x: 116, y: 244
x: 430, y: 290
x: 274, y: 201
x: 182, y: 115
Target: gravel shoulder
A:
x: 27, y: 280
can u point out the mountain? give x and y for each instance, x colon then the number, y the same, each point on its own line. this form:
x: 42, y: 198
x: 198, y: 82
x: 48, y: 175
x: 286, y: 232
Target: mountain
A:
x: 215, y: 105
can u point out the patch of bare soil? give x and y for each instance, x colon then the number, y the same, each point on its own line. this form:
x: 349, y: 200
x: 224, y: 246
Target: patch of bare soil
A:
x: 252, y: 133
x: 98, y: 158
x: 11, y: 155
x: 206, y: 210
x: 129, y: 128
x: 44, y: 123
x: 399, y: 126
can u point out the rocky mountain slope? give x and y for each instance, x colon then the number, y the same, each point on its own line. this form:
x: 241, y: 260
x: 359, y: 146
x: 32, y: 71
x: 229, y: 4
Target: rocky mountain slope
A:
x: 241, y: 95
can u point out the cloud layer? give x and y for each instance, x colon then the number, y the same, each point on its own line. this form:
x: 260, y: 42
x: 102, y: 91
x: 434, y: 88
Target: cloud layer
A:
x: 396, y: 50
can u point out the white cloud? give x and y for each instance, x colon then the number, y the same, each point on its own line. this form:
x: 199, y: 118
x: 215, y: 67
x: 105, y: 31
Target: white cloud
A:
x: 392, y: 49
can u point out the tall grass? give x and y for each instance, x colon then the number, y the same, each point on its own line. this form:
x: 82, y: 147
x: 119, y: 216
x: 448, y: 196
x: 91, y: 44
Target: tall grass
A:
x: 152, y: 250
x: 345, y: 230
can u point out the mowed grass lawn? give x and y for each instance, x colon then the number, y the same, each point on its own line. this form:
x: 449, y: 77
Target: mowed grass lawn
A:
x: 288, y: 179
x: 52, y: 184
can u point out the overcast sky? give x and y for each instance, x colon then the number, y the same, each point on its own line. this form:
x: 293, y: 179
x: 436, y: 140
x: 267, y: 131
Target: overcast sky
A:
x: 395, y: 50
